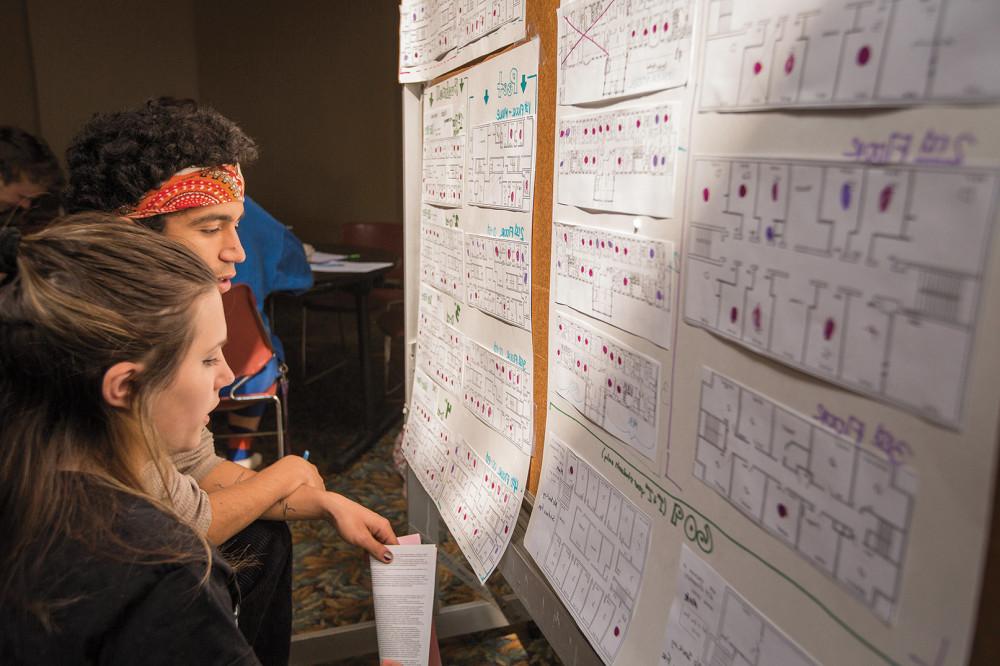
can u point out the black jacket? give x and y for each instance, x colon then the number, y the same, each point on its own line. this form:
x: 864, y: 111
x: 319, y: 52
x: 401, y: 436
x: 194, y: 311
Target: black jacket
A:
x: 128, y: 611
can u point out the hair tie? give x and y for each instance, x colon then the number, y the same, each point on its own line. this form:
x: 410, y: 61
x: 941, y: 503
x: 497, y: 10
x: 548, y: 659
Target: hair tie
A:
x: 10, y: 240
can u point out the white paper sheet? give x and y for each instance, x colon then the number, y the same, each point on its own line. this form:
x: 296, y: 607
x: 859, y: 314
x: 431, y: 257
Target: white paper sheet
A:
x: 498, y: 278
x: 403, y: 594
x: 623, y: 279
x: 437, y: 36
x: 622, y: 160
x: 711, y: 623
x: 591, y: 542
x: 845, y: 271
x: 349, y: 266
x: 498, y: 390
x: 843, y: 507
x: 611, y: 384
x: 318, y: 257
x: 478, y: 498
x: 613, y: 48
x: 442, y: 244
x: 445, y: 143
x: 787, y: 53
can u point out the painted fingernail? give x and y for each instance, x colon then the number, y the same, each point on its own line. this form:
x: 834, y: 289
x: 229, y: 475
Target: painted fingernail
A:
x: 387, y: 556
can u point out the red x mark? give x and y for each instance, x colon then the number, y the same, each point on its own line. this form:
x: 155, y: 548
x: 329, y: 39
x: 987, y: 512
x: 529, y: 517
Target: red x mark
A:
x: 584, y: 35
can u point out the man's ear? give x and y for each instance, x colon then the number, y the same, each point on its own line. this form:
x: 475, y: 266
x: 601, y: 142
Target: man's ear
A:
x: 116, y: 388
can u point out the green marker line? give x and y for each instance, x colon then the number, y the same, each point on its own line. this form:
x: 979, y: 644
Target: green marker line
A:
x: 861, y: 639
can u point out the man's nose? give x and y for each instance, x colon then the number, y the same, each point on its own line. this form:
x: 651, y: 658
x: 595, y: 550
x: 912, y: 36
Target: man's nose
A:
x: 233, y: 251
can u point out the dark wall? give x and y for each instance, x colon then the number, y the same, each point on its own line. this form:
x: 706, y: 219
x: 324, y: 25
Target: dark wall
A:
x: 316, y: 86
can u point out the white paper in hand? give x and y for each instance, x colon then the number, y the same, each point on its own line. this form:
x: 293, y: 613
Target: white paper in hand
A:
x: 403, y: 592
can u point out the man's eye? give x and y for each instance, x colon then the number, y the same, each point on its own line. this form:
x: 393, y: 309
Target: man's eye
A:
x: 214, y: 230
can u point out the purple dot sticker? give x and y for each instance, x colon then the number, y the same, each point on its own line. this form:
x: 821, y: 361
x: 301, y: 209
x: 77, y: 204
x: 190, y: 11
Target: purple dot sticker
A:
x: 743, y: 191
x: 652, y: 253
x: 789, y: 64
x: 617, y: 632
x: 769, y: 233
x: 885, y: 199
x: 864, y: 55
x: 782, y: 510
x: 829, y: 327
x: 734, y: 314
x: 774, y: 191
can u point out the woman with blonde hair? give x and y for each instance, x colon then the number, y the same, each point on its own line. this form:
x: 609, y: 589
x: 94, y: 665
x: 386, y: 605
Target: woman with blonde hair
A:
x: 110, y: 355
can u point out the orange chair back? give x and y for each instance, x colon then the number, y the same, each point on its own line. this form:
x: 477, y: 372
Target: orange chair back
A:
x: 248, y: 346
x: 386, y: 236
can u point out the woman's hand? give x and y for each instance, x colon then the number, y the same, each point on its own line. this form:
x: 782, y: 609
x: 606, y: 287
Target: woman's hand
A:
x: 361, y: 527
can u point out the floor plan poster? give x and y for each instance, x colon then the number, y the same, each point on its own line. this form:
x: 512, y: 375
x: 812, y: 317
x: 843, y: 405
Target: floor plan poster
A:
x: 498, y: 390
x: 613, y: 48
x: 445, y: 143
x: 478, y: 499
x: 442, y: 244
x: 840, y: 505
x: 502, y: 102
x: 779, y: 53
x: 498, y: 278
x: 611, y: 384
x: 866, y: 276
x: 711, y: 623
x: 437, y: 36
x: 622, y: 279
x: 620, y: 160
x: 439, y: 342
x: 592, y: 543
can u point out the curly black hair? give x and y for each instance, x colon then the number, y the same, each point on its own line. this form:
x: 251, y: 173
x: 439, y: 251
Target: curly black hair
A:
x: 27, y: 156
x: 117, y: 157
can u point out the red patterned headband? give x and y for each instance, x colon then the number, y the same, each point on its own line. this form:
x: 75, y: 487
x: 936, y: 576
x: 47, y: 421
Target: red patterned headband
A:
x: 191, y: 188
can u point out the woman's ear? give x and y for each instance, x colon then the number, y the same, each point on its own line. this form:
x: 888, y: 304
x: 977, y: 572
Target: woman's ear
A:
x: 116, y: 388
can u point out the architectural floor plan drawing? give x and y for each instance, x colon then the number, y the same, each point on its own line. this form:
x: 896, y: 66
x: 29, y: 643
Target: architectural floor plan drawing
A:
x: 441, y: 249
x: 613, y: 48
x: 439, y: 343
x: 499, y: 392
x: 622, y: 279
x: 501, y: 164
x: 479, y: 505
x: 498, y: 278
x: 426, y: 32
x: 779, y: 53
x: 620, y: 161
x: 480, y: 508
x: 865, y: 276
x: 445, y: 139
x: 712, y: 624
x: 478, y: 18
x: 427, y: 442
x: 843, y: 507
x: 591, y: 542
x: 610, y: 383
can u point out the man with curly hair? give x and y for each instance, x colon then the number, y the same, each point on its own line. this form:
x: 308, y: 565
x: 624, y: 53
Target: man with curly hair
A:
x: 175, y: 166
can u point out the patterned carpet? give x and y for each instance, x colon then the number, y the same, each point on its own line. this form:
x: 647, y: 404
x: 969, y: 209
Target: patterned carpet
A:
x: 331, y: 582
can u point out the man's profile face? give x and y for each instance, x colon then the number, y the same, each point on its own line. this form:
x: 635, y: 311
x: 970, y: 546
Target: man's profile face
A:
x: 210, y: 232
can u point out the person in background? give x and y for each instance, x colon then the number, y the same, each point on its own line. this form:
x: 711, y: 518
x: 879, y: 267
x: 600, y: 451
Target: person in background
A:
x: 110, y: 356
x: 175, y: 167
x: 31, y: 181
x: 275, y: 262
